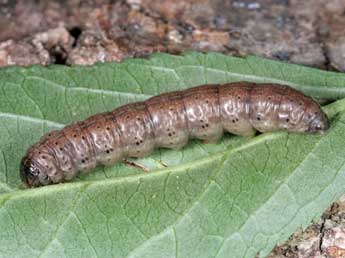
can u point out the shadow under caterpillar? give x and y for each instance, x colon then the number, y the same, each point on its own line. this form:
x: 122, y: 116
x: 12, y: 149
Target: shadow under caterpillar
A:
x: 169, y: 120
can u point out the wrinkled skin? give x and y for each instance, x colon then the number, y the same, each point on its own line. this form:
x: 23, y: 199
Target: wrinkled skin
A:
x: 168, y: 121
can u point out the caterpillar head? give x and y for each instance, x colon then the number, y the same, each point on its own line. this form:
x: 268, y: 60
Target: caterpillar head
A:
x: 37, y: 169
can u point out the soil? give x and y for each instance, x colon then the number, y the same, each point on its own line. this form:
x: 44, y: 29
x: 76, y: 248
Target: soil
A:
x: 309, y: 32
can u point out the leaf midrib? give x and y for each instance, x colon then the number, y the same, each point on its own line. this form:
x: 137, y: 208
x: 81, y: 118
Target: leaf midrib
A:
x: 158, y: 172
x: 332, y: 108
x: 339, y: 105
x: 214, y: 175
x: 258, y: 78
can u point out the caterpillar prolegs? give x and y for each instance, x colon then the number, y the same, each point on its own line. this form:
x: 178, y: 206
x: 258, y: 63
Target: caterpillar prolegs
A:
x: 169, y: 120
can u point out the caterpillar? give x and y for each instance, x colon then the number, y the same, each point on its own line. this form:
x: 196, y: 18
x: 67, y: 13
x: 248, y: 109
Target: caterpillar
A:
x: 169, y: 120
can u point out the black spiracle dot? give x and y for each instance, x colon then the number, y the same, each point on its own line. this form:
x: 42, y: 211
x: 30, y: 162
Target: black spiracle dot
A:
x: 56, y: 143
x: 83, y: 137
x: 141, y: 141
x: 269, y: 98
x: 206, y: 125
x: 287, y: 120
x: 107, y: 151
x: 233, y: 120
x: 174, y: 132
x: 238, y: 97
x: 83, y: 161
x: 108, y: 128
x: 206, y: 101
x: 75, y: 136
x: 170, y: 134
x: 203, y: 126
x: 258, y: 118
x: 61, y: 149
x: 137, y: 143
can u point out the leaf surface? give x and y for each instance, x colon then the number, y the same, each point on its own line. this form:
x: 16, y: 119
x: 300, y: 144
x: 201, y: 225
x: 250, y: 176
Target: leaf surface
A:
x: 236, y: 198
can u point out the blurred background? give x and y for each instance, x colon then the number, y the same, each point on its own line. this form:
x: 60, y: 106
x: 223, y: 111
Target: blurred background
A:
x: 309, y: 32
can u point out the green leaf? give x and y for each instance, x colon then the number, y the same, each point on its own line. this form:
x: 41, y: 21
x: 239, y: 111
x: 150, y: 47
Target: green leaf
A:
x: 236, y: 198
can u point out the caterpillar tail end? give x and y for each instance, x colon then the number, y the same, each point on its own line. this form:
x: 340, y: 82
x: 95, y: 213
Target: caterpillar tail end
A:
x: 320, y: 124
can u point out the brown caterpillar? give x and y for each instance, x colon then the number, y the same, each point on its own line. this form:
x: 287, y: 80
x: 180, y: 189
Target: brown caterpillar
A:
x: 168, y: 121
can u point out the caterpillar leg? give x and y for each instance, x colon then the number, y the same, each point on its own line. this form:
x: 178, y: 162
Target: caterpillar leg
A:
x: 132, y: 163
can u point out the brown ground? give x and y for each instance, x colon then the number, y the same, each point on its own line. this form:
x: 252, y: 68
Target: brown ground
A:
x: 309, y: 32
